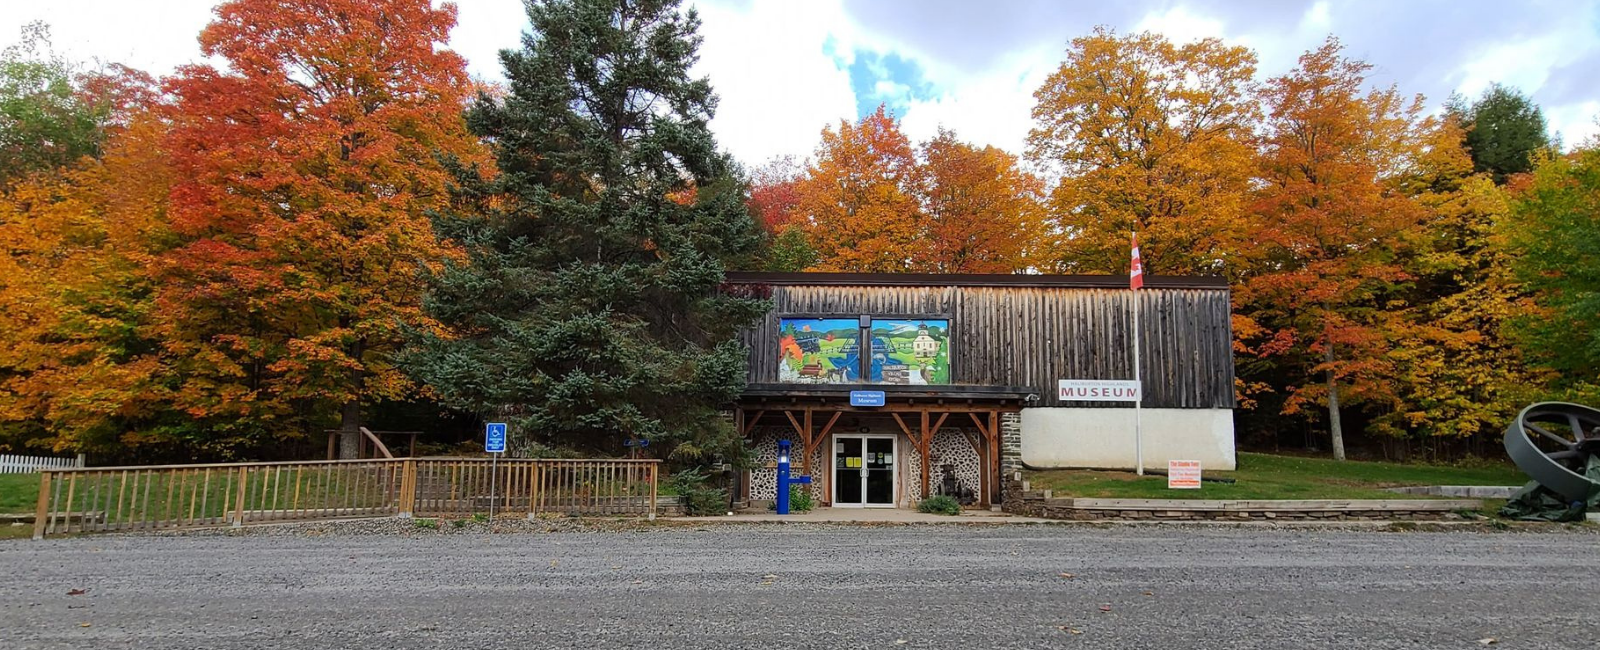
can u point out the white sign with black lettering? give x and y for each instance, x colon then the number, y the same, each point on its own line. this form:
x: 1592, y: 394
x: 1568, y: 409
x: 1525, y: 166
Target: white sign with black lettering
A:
x: 1099, y: 390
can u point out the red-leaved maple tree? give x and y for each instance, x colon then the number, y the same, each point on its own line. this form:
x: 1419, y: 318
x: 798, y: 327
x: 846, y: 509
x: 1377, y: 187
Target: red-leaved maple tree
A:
x: 307, y: 169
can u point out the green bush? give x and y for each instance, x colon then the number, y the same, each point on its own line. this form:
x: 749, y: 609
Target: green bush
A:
x: 940, y: 505
x: 426, y: 524
x: 800, y: 498
x: 698, y: 498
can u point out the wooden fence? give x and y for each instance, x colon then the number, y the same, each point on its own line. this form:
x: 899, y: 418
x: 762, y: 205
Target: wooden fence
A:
x: 104, y: 499
x: 12, y: 464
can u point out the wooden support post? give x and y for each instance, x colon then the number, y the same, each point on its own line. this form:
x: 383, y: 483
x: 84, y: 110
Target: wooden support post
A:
x: 805, y: 463
x: 238, y: 508
x: 923, y: 446
x: 41, y: 513
x: 653, y: 491
x: 994, y: 457
x: 408, y: 487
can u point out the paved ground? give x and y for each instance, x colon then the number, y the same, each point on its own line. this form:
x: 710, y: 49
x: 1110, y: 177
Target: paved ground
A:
x: 809, y: 586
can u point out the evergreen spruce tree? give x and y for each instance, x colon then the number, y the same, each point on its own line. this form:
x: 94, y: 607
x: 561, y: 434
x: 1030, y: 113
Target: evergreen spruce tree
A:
x: 1504, y: 129
x: 586, y: 308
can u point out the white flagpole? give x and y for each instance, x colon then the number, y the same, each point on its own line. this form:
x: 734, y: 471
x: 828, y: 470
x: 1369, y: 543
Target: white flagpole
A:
x: 1138, y: 402
x: 1138, y: 437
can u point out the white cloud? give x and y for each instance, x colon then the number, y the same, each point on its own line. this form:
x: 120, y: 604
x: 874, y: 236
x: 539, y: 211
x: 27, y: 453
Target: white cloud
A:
x: 1180, y: 25
x: 153, y: 36
x: 483, y: 28
x: 779, y: 84
x: 994, y: 108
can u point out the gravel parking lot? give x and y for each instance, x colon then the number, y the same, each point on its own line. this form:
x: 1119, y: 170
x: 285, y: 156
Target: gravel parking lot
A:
x: 782, y: 587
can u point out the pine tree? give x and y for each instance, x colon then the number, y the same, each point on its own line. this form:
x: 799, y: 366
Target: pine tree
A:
x: 586, y: 308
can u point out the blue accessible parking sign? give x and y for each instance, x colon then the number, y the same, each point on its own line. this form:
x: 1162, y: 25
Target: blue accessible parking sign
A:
x: 495, y: 438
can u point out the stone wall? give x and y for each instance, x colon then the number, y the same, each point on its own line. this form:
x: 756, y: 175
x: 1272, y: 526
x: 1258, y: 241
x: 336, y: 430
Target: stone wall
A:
x: 1040, y: 503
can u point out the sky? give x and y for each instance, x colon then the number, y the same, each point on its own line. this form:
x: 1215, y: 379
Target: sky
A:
x: 786, y: 70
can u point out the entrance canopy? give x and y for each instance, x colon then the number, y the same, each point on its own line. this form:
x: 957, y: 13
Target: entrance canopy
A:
x: 813, y: 410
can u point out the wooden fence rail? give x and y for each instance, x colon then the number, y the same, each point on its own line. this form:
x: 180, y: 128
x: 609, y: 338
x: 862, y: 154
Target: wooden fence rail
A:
x: 105, y: 499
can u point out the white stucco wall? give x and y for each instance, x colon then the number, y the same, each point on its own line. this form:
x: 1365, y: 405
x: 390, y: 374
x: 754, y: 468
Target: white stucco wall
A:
x: 1103, y: 437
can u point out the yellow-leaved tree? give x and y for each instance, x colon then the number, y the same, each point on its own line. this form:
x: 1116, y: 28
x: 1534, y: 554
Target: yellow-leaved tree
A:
x: 1147, y: 134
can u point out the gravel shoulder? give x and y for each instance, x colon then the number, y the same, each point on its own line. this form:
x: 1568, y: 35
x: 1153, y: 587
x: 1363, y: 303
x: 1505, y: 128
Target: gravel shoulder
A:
x: 383, y: 585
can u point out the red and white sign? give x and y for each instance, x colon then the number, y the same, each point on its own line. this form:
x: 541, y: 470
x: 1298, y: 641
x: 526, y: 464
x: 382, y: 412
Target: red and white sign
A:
x: 1183, y: 475
x: 1099, y: 390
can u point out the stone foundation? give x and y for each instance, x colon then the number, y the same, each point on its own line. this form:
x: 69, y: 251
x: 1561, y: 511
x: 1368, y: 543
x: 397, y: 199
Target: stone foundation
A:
x: 1040, y: 503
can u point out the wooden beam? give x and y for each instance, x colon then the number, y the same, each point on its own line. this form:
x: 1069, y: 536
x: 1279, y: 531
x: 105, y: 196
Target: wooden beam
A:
x: 826, y: 428
x: 794, y: 422
x: 978, y: 421
x: 903, y: 427
x: 750, y: 424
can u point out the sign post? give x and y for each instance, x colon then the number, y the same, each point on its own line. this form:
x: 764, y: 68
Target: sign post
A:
x: 495, y: 443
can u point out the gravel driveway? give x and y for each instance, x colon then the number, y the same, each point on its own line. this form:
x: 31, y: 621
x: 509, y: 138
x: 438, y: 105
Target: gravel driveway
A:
x: 781, y: 587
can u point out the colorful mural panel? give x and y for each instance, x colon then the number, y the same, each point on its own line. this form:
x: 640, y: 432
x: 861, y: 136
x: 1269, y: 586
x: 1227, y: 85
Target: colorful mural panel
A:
x: 915, y: 351
x: 819, y: 350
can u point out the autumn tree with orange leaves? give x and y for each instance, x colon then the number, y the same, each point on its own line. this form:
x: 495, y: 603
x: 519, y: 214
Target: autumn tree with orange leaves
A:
x: 78, y: 370
x: 1148, y: 135
x: 984, y: 213
x: 873, y: 203
x: 307, y: 169
x: 858, y: 203
x: 1332, y: 221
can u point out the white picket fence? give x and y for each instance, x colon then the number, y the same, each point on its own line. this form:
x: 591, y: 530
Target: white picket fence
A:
x: 11, y: 464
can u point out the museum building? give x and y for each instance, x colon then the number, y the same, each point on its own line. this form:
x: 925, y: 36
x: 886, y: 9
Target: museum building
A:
x: 894, y: 386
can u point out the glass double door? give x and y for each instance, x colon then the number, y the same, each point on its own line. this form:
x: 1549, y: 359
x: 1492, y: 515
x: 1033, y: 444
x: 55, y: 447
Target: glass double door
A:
x: 863, y: 471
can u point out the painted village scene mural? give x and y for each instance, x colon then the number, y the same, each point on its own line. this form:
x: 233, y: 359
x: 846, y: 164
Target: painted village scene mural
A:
x: 828, y: 351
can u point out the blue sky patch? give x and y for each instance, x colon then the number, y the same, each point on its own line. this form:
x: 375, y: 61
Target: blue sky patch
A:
x: 886, y: 78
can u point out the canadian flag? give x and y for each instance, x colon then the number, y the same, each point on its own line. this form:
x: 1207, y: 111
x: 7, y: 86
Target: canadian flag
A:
x: 1136, y: 270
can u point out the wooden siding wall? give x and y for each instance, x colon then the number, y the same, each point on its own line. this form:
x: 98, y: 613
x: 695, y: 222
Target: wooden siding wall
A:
x: 1031, y: 336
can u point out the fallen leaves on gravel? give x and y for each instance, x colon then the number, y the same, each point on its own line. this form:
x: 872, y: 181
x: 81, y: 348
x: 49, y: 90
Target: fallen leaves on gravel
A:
x: 1068, y: 576
x: 1069, y: 629
x: 77, y: 592
x: 1488, y: 641
x: 1105, y: 608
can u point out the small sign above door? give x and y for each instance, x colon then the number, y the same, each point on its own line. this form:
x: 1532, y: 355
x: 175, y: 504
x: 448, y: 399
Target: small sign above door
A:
x: 866, y: 398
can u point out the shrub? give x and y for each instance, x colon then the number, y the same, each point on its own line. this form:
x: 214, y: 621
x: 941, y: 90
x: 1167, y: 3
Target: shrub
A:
x: 800, y: 498
x: 427, y: 524
x: 697, y: 497
x: 940, y: 505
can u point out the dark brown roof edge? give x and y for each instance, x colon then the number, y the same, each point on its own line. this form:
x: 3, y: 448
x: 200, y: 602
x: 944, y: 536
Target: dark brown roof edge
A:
x: 976, y: 280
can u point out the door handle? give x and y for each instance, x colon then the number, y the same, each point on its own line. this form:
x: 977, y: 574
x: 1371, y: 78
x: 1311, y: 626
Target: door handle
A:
x: 863, y: 472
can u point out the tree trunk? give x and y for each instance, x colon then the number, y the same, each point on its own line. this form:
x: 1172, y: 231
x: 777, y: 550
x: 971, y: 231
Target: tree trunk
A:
x: 1334, y: 428
x: 350, y: 412
x: 350, y: 430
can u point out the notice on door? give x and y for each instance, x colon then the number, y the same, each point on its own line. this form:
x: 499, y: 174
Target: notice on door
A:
x: 1183, y: 474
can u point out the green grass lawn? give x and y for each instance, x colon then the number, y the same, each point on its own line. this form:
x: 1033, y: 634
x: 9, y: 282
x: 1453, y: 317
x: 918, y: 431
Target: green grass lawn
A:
x: 1265, y: 476
x: 18, y: 492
